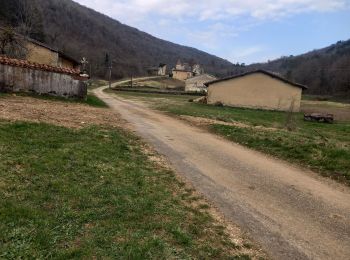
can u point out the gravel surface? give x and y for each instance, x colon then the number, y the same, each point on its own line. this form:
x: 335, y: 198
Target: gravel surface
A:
x: 292, y: 212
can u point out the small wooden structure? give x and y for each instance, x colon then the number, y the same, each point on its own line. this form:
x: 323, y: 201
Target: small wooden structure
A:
x: 318, y: 117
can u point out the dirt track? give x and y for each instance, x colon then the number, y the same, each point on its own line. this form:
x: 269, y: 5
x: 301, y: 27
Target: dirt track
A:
x: 292, y: 213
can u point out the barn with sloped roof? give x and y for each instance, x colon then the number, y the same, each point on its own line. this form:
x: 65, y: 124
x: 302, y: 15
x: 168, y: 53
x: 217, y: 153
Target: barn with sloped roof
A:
x: 258, y: 89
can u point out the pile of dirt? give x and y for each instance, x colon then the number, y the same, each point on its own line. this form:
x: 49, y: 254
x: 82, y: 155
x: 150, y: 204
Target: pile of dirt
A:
x: 201, y: 100
x: 72, y: 115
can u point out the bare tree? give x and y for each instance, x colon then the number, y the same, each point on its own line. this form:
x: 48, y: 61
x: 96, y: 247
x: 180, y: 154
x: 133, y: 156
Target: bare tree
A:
x: 11, y: 44
x: 29, y: 19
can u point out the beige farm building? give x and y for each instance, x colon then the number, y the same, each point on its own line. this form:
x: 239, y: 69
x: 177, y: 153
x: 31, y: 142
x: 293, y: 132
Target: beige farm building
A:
x: 257, y: 89
x: 38, y: 52
x: 182, y: 71
x: 182, y: 74
x: 41, y: 53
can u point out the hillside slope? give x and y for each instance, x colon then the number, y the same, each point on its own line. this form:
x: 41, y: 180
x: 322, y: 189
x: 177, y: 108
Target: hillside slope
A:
x: 81, y: 31
x: 326, y: 71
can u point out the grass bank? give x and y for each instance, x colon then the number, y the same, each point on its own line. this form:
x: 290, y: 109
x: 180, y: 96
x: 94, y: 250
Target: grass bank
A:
x: 91, y: 99
x: 92, y: 193
x: 324, y: 148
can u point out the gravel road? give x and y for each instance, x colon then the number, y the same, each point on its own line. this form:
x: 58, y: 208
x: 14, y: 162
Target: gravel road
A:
x: 291, y: 212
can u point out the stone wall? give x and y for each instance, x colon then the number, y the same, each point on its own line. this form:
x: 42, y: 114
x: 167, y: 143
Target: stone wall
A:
x: 24, y: 79
x: 196, y: 84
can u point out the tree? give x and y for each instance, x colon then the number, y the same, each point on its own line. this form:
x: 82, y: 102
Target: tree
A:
x: 29, y: 20
x: 11, y: 44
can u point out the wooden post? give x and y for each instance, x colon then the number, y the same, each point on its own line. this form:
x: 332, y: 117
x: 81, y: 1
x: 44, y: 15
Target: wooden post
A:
x: 110, y: 75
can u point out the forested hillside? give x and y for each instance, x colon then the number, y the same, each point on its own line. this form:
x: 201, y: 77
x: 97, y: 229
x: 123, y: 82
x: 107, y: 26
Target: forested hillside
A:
x: 325, y: 71
x: 80, y: 31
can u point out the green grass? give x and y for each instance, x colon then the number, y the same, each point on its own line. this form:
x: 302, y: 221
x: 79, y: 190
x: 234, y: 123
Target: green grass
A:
x: 94, y: 101
x: 96, y: 83
x: 342, y: 99
x: 91, y: 99
x: 179, y: 105
x: 92, y: 193
x: 324, y: 148
x: 330, y: 157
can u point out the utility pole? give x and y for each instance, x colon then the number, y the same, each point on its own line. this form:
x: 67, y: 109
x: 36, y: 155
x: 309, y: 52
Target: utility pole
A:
x: 110, y: 74
x: 108, y: 64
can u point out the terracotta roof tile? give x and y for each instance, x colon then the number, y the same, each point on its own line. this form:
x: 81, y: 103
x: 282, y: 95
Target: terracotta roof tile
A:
x: 37, y: 66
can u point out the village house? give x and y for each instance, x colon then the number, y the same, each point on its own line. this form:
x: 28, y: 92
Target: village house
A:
x: 38, y: 68
x: 257, y: 89
x: 25, y: 76
x: 182, y: 74
x: 197, y: 70
x: 41, y: 53
x: 197, y: 83
x: 157, y: 71
x: 162, y: 69
x: 37, y: 52
x: 184, y: 71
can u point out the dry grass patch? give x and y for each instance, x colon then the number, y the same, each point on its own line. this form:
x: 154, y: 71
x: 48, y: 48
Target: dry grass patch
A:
x: 73, y: 115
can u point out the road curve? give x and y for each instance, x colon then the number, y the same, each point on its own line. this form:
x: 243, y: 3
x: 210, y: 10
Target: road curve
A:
x: 291, y: 213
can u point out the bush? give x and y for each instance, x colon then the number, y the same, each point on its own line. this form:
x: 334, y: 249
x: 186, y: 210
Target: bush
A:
x: 218, y: 104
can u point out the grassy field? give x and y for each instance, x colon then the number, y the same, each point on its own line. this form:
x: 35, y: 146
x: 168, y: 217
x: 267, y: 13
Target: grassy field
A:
x: 91, y: 99
x: 324, y: 148
x: 342, y: 99
x: 93, y: 194
x: 94, y: 101
x: 156, y: 83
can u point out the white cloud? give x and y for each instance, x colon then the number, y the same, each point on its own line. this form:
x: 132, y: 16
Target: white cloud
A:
x: 248, y: 53
x: 211, y: 25
x: 135, y: 10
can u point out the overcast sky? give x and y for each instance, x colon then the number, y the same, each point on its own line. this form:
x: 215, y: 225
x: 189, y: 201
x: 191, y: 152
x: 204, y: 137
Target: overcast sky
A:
x: 237, y: 30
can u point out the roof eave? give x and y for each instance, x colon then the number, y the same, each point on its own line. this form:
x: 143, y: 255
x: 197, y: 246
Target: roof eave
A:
x: 259, y: 71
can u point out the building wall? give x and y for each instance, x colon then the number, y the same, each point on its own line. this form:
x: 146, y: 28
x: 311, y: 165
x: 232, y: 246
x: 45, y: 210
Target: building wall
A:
x: 181, y: 75
x: 257, y: 91
x: 39, y: 54
x: 162, y: 71
x: 64, y: 63
x: 18, y: 79
x: 196, y: 84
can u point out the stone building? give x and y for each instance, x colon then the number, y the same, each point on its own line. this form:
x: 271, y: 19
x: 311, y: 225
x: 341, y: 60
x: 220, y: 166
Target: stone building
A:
x: 197, y: 83
x: 22, y: 47
x: 184, y: 71
x: 162, y: 69
x: 41, y: 53
x: 197, y: 70
x: 157, y: 71
x: 182, y: 74
x: 257, y: 89
x: 24, y: 76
